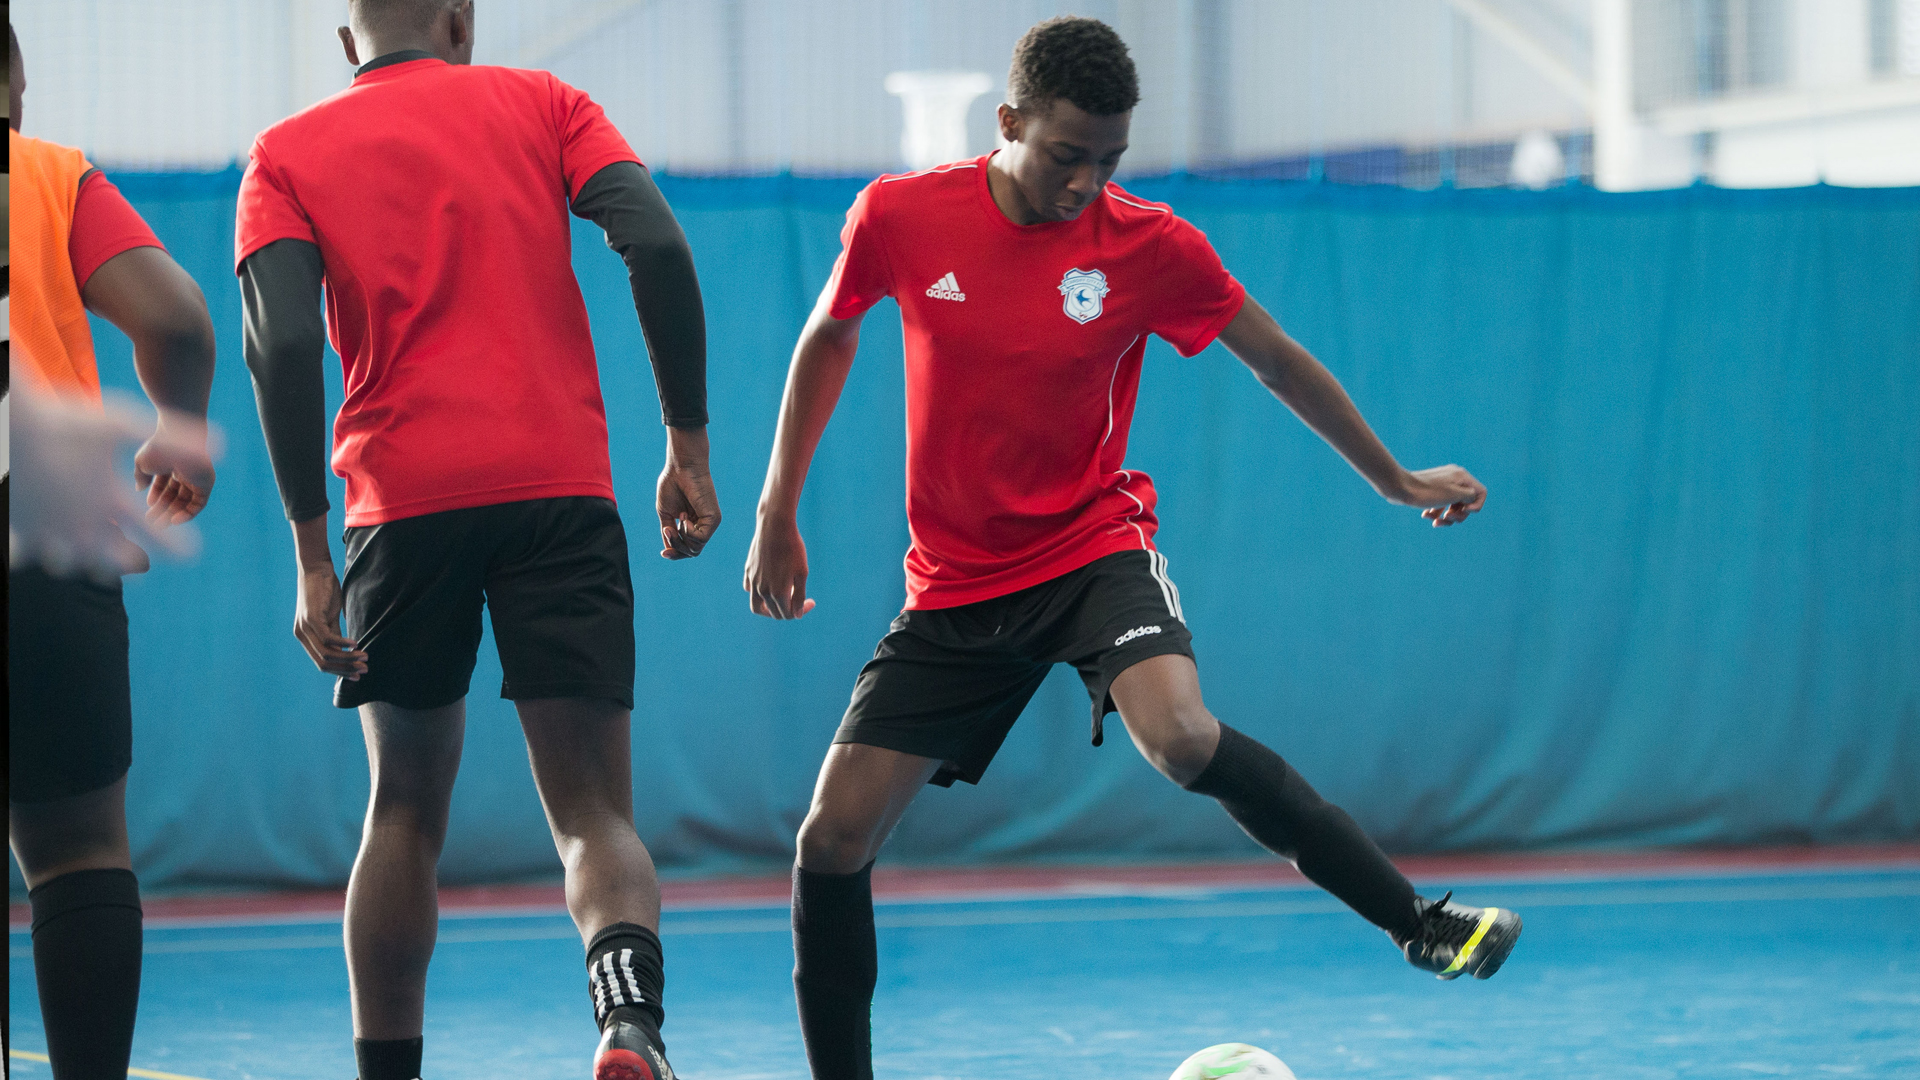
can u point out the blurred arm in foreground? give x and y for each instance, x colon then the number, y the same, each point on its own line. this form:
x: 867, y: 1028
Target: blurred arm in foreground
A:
x: 68, y: 510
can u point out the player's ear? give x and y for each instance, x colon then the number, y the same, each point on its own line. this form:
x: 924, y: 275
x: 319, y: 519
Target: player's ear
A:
x: 1012, y: 124
x: 346, y: 42
x: 461, y: 30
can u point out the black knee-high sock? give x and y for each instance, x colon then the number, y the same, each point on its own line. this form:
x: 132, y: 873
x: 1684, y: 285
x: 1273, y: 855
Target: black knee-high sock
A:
x: 626, y: 973
x: 1278, y: 808
x: 86, y: 959
x: 835, y: 966
x: 388, y: 1059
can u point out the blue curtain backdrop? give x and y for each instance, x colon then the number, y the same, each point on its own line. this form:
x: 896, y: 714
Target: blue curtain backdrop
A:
x: 1689, y: 615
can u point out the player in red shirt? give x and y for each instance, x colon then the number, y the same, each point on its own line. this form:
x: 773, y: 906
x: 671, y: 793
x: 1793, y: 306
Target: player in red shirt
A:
x: 431, y: 199
x: 1027, y: 285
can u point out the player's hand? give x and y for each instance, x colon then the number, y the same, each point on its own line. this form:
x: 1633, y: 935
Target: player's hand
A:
x: 69, y: 508
x: 689, y: 510
x: 175, y: 469
x: 776, y: 579
x: 1446, y: 495
x: 316, y: 623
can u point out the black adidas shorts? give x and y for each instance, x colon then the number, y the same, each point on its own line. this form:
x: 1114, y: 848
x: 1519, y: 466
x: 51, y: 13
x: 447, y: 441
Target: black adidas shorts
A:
x: 949, y: 683
x: 552, y: 573
x: 69, y: 706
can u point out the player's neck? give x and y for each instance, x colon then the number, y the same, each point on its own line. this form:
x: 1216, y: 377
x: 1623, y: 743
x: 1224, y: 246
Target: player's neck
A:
x: 379, y: 47
x: 1006, y: 194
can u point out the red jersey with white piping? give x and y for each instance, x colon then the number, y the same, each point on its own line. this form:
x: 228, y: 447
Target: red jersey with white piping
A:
x: 1023, y: 353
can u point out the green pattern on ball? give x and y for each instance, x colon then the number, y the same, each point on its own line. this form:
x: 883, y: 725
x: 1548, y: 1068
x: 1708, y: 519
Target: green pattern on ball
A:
x: 1236, y: 1060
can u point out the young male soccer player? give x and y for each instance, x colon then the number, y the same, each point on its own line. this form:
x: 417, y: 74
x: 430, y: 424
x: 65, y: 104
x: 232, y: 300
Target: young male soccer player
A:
x: 76, y: 246
x: 431, y: 198
x: 1027, y: 285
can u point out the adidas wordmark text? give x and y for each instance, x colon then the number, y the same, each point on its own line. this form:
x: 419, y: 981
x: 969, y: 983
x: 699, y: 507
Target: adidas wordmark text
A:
x: 946, y: 289
x: 1138, y: 631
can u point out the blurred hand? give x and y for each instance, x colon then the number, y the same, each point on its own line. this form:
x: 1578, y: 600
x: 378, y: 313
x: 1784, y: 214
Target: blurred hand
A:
x: 69, y: 509
x: 175, y: 469
x: 776, y: 578
x: 316, y: 622
x: 688, y: 507
x: 1447, y: 494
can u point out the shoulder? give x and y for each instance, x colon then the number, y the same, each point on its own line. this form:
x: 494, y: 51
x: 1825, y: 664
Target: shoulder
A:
x: 529, y: 80
x: 952, y: 180
x: 65, y: 157
x: 1128, y: 210
x: 923, y: 190
x: 533, y: 85
x: 954, y: 174
x: 1176, y: 236
x: 300, y: 127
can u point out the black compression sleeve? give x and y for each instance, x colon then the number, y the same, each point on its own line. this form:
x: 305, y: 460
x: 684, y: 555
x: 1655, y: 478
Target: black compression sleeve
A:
x: 285, y: 340
x: 622, y: 200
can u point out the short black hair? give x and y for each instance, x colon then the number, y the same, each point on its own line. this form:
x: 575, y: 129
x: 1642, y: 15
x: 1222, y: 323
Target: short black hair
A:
x: 1081, y: 60
x: 401, y: 15
x: 13, y: 43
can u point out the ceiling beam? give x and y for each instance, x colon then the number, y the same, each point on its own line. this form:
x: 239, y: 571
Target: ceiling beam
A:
x: 1526, y: 47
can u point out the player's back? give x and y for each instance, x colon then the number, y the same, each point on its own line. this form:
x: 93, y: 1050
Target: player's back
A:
x: 437, y: 195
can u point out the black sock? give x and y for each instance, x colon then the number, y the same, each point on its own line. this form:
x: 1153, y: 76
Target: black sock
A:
x: 387, y: 1059
x: 1278, y: 808
x: 835, y: 966
x: 86, y: 959
x: 626, y: 973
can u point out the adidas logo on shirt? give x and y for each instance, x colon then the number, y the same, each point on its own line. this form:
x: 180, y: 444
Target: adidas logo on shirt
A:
x: 1138, y: 631
x: 946, y: 289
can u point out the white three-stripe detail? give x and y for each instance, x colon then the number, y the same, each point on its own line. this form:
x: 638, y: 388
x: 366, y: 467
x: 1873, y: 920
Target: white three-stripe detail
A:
x: 1144, y: 206
x: 935, y: 171
x: 612, y: 980
x: 633, y: 984
x: 1157, y: 566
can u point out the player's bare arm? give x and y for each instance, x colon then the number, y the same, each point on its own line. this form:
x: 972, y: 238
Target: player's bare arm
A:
x: 145, y: 294
x: 688, y: 508
x: 68, y: 512
x: 1446, y: 495
x: 776, y: 577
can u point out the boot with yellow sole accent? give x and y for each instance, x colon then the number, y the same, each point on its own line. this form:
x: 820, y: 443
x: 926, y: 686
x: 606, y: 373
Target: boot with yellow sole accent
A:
x: 1456, y: 939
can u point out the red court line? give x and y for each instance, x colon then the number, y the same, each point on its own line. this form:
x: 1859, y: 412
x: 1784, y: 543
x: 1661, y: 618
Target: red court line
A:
x: 910, y: 883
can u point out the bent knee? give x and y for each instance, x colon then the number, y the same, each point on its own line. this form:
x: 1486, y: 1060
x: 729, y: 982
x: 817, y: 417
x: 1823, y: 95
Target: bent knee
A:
x: 1180, y: 744
x: 832, y: 846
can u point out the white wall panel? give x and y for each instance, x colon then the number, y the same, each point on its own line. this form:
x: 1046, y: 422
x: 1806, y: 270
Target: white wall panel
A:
x: 705, y: 86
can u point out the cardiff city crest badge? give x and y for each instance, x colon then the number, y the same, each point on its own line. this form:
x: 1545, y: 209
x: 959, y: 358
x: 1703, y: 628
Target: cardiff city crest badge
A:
x: 1083, y: 290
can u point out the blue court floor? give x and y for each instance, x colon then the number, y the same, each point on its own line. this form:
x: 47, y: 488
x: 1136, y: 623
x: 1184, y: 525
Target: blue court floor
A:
x: 1727, y: 975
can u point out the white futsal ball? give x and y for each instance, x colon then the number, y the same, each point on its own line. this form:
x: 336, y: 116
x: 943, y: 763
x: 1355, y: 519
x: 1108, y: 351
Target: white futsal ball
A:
x: 1232, y: 1060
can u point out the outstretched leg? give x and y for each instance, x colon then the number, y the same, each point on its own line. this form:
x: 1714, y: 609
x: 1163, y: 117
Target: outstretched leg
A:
x: 1159, y: 700
x: 861, y: 793
x: 393, y: 910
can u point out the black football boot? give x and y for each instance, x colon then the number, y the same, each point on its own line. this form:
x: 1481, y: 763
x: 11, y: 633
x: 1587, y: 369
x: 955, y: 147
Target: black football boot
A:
x: 1456, y: 940
x: 627, y: 1053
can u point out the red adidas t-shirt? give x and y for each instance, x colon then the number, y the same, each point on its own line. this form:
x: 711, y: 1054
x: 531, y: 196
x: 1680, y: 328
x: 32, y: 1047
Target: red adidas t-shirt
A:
x: 438, y: 196
x: 1023, y: 350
